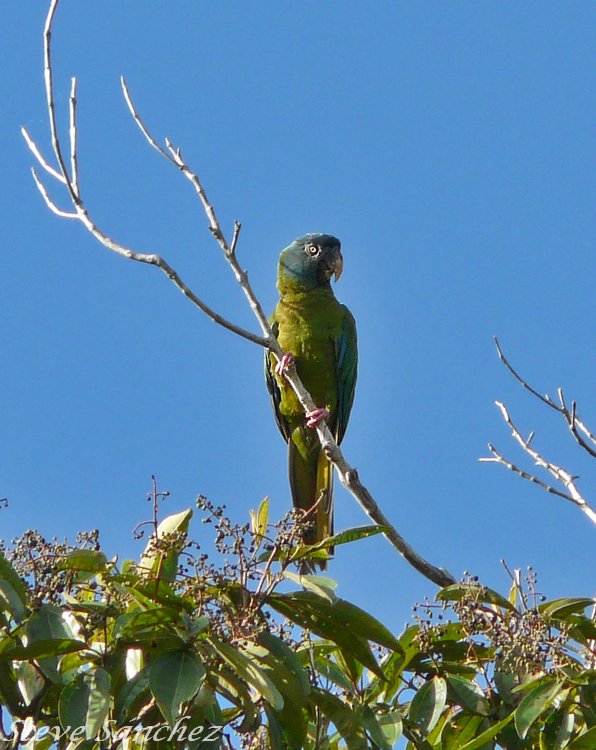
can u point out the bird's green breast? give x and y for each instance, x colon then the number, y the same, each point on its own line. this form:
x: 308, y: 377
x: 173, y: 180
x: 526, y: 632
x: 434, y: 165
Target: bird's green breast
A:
x: 309, y: 323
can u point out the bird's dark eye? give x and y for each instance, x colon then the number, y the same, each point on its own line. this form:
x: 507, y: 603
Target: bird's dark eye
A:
x: 312, y: 249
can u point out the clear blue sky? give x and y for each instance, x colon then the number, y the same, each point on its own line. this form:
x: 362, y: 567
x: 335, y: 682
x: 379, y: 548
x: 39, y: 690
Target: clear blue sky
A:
x: 451, y: 148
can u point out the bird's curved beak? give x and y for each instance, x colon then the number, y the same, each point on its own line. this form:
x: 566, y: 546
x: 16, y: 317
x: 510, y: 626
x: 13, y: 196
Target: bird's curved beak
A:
x: 338, y: 265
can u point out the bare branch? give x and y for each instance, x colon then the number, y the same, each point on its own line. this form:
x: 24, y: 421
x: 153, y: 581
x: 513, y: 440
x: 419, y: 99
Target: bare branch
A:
x: 564, y: 477
x: 348, y: 476
x: 49, y: 202
x: 37, y: 154
x: 587, y: 440
x: 73, y: 135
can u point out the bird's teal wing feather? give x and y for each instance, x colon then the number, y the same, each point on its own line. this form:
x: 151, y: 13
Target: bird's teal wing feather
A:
x: 273, y: 388
x: 346, y: 358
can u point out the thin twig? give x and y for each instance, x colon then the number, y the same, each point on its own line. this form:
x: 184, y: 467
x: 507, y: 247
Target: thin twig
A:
x: 563, y: 476
x: 575, y: 424
x: 37, y: 154
x: 49, y: 202
x: 348, y: 476
x: 73, y: 135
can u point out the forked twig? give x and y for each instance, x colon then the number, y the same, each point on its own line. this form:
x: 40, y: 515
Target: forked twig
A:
x: 571, y: 491
x: 347, y: 475
x: 587, y: 440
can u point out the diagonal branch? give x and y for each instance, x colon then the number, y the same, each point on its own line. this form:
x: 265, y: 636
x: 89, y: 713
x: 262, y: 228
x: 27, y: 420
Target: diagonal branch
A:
x: 347, y: 475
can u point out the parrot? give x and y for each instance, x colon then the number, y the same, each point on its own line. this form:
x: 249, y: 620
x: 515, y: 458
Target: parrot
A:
x: 318, y: 335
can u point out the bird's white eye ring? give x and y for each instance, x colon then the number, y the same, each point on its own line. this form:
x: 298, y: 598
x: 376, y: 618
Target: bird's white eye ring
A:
x: 312, y: 249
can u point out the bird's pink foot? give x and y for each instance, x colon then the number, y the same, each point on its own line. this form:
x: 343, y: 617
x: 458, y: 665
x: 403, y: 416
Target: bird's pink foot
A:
x: 316, y: 416
x: 283, y: 364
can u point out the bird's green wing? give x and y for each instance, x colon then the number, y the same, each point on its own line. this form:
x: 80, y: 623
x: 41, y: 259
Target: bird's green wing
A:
x: 346, y: 361
x: 273, y: 388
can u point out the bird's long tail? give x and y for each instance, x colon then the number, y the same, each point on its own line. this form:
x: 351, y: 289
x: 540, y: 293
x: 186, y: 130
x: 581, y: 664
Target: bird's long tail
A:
x: 311, y: 483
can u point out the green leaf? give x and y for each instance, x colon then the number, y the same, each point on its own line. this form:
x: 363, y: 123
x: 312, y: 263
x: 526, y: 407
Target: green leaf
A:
x: 586, y: 741
x: 460, y: 729
x: 13, y: 591
x: 343, y: 717
x: 560, y: 608
x: 10, y: 695
x: 47, y: 624
x: 487, y: 735
x: 587, y: 694
x: 374, y: 730
x: 132, y: 696
x: 320, y: 585
x: 30, y: 681
x: 127, y: 626
x: 336, y: 618
x: 85, y: 702
x: 287, y: 658
x: 477, y: 593
x: 164, y: 565
x: 354, y: 535
x: 42, y: 649
x: 250, y: 672
x: 259, y: 521
x: 84, y: 560
x: 174, y: 678
x: 534, y: 703
x: 391, y: 725
x: 468, y: 694
x: 324, y: 622
x: 565, y: 731
x: 428, y: 704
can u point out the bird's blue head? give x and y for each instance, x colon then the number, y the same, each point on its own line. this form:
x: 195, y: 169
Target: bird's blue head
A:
x: 309, y: 262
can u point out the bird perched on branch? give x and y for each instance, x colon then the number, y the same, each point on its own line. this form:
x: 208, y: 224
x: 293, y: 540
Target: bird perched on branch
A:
x: 317, y: 334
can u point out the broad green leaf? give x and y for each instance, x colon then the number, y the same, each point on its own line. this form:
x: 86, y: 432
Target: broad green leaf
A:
x: 13, y: 591
x: 43, y: 649
x: 487, y: 735
x: 342, y: 612
x: 127, y: 626
x: 587, y: 695
x: 428, y: 704
x: 174, y: 678
x: 459, y: 729
x: 275, y: 730
x: 85, y: 702
x: 468, y: 694
x: 320, y: 585
x: 132, y: 696
x: 331, y: 671
x: 586, y: 741
x: 47, y: 624
x: 560, y: 608
x: 29, y: 680
x: 10, y: 695
x: 259, y: 521
x: 343, y: 717
x: 565, y: 731
x: 84, y: 560
x: 317, y: 551
x: 391, y: 725
x: 287, y: 657
x: 374, y: 730
x: 534, y: 703
x: 164, y: 565
x: 250, y: 672
x: 353, y: 535
x: 477, y: 593
x: 315, y: 613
